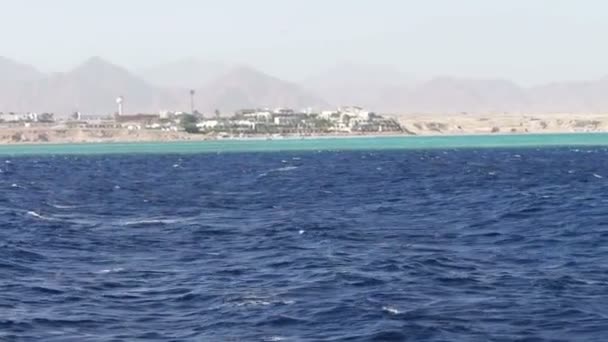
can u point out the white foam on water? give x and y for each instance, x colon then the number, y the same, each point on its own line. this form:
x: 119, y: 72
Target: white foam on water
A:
x: 112, y: 270
x: 597, y: 176
x: 302, y: 231
x: 253, y: 302
x: 59, y: 206
x: 274, y: 339
x: 286, y: 168
x: 35, y: 214
x: 40, y: 217
x: 391, y: 310
x: 150, y: 221
x: 281, y: 169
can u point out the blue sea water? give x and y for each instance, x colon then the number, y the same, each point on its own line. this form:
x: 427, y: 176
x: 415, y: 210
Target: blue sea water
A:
x: 439, y: 245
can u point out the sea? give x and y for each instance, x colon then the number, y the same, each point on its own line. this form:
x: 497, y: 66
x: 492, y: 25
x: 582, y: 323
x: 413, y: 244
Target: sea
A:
x: 379, y: 239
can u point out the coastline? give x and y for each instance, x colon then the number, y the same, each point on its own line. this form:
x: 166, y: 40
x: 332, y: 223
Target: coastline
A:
x: 426, y: 125
x: 420, y: 132
x: 327, y: 143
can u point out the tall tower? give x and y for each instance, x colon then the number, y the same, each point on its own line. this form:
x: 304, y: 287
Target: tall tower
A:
x: 119, y: 101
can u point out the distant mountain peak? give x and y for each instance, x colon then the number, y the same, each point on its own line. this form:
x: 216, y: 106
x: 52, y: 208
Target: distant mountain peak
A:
x: 98, y: 63
x: 184, y: 73
x: 12, y: 71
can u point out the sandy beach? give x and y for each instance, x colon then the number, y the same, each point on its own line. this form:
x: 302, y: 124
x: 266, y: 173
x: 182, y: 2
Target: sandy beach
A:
x: 470, y: 124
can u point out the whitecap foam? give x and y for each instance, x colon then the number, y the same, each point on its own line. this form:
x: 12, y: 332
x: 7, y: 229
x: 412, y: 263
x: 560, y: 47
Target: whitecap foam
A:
x: 38, y: 216
x: 597, y: 176
x: 274, y: 339
x: 253, y: 302
x: 150, y: 221
x: 59, y: 206
x: 35, y: 214
x: 286, y: 168
x: 112, y: 270
x: 281, y: 169
x: 391, y: 310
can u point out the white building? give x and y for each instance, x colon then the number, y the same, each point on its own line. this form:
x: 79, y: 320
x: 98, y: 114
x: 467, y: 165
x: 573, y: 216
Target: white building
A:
x: 259, y: 116
x: 328, y: 114
x: 208, y: 124
x: 357, y: 112
x: 18, y: 117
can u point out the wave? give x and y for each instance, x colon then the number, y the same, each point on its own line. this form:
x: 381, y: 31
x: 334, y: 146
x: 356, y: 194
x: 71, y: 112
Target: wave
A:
x: 111, y: 270
x: 280, y: 169
x: 391, y: 310
x: 152, y: 221
x: 60, y: 206
x: 41, y: 217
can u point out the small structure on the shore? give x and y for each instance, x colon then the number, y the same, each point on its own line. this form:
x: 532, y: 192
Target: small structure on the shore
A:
x: 119, y: 102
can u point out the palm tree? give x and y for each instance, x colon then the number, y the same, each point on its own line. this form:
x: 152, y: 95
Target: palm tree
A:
x: 192, y: 92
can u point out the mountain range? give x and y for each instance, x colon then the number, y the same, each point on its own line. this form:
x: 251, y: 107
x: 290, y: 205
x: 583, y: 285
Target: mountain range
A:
x: 93, y: 86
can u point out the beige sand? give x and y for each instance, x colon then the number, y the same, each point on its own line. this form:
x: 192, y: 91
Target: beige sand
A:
x: 505, y: 123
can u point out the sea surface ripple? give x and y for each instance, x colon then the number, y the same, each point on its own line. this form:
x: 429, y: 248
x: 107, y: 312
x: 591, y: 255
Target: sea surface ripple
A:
x: 441, y: 245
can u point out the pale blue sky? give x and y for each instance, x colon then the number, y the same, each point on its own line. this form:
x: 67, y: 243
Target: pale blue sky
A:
x: 529, y: 41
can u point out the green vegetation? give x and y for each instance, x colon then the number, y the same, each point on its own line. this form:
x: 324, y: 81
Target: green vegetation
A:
x: 188, y: 123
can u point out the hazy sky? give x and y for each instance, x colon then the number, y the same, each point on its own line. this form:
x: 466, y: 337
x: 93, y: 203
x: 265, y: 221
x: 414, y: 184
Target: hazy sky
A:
x: 529, y: 41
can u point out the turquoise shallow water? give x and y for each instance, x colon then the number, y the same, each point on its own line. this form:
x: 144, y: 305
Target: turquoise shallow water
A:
x: 313, y: 144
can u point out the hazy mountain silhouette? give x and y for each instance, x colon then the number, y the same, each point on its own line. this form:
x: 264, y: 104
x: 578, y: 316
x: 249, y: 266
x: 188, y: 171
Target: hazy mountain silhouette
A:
x: 187, y: 73
x: 363, y: 85
x: 93, y: 86
x: 455, y: 95
x: 11, y: 71
x: 13, y: 76
x: 579, y: 97
x: 244, y: 87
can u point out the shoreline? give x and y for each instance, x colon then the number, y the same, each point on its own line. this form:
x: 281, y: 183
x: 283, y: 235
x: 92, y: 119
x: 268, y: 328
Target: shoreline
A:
x: 206, y: 139
x: 313, y: 145
x: 413, y: 125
